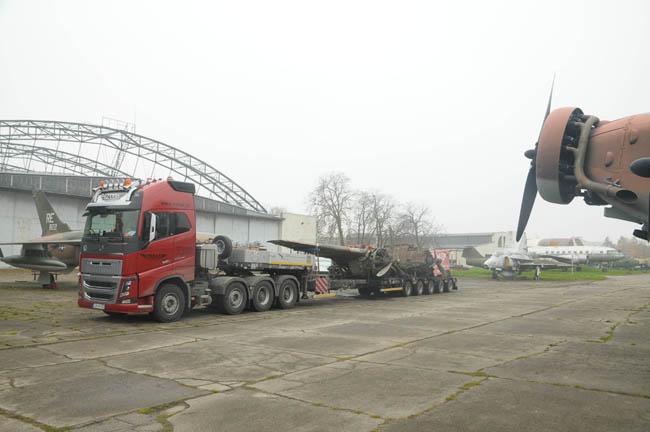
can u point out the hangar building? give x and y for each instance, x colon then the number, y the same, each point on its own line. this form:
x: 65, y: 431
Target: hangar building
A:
x: 67, y: 160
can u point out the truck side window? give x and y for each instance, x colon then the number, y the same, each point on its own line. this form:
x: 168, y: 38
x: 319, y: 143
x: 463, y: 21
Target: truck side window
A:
x: 182, y: 223
x: 163, y: 225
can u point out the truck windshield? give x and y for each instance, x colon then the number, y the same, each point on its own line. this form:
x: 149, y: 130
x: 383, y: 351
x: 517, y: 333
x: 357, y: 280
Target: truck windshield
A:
x: 112, y: 223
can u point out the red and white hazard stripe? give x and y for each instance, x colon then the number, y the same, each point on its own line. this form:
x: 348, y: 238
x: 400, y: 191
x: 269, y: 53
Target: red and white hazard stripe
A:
x: 322, y: 285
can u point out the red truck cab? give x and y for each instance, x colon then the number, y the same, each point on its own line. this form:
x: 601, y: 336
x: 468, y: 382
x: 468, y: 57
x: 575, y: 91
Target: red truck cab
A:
x: 138, y: 249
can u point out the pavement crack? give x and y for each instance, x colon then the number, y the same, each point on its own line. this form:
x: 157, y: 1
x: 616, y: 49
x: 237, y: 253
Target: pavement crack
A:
x: 35, y: 423
x: 315, y: 404
x: 574, y: 386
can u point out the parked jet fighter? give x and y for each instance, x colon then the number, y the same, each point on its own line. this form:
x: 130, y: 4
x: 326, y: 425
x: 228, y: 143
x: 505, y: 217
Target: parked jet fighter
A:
x: 604, y: 162
x: 56, y: 251
x: 510, y: 263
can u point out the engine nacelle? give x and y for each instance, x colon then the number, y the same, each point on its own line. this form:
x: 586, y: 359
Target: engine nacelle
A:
x: 605, y: 162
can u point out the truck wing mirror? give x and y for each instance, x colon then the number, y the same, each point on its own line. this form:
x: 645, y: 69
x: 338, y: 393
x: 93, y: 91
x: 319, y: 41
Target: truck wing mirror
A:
x: 152, y: 227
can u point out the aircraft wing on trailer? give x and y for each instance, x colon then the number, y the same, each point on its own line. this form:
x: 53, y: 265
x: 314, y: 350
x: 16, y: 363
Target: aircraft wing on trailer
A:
x: 341, y: 255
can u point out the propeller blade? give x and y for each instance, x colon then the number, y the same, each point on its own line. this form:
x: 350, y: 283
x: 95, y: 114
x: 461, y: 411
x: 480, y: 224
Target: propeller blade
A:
x: 548, y: 109
x: 384, y: 270
x: 527, y: 201
x: 530, y: 189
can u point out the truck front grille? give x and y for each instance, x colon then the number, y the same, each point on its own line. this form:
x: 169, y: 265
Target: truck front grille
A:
x: 101, y: 289
x: 101, y: 279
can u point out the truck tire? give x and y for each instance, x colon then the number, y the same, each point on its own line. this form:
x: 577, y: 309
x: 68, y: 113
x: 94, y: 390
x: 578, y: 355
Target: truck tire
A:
x: 224, y: 244
x: 287, y: 294
x: 262, y: 296
x: 233, y: 301
x: 429, y: 287
x: 169, y: 303
x: 445, y: 286
x: 407, y: 287
x: 418, y: 288
x: 437, y: 288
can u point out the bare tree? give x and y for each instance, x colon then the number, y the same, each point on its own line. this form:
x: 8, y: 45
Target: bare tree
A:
x: 382, y: 214
x: 331, y: 203
x: 362, y: 218
x: 416, y: 223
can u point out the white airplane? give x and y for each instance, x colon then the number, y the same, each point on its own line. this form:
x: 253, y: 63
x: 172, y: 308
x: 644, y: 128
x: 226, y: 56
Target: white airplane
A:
x: 574, y: 251
x: 509, y: 263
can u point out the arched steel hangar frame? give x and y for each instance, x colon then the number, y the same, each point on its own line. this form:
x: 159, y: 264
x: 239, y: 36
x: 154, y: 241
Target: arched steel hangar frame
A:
x: 68, y: 159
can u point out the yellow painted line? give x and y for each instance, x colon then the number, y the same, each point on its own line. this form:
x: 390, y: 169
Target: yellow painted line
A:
x: 301, y: 264
x: 324, y: 295
x: 391, y: 289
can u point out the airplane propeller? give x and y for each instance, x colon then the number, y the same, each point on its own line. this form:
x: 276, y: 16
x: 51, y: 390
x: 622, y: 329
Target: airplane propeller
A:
x: 384, y: 270
x: 530, y: 189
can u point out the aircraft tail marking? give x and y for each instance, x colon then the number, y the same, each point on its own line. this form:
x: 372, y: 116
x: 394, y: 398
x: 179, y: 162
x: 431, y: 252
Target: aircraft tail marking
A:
x: 50, y: 222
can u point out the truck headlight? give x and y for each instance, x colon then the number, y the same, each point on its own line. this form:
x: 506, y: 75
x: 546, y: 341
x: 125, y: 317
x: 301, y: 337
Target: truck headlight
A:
x: 126, y: 287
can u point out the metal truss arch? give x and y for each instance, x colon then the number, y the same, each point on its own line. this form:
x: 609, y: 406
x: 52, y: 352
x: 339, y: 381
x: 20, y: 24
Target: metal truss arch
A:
x: 86, y: 149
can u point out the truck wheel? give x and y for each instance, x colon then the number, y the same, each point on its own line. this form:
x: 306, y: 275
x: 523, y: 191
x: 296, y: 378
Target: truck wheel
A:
x: 287, y: 294
x: 445, y: 286
x: 169, y: 303
x: 224, y: 245
x: 263, y: 296
x: 233, y: 301
x: 429, y: 287
x: 407, y: 287
x: 419, y: 288
x: 437, y: 288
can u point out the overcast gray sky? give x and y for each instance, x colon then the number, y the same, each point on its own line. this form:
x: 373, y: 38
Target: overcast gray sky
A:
x: 429, y: 102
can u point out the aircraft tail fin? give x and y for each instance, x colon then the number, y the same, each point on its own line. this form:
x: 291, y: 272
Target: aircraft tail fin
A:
x: 50, y: 222
x: 473, y: 257
x: 523, y: 244
x: 471, y: 252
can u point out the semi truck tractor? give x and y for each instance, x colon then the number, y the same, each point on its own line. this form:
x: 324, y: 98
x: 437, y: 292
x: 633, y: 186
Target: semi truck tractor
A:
x: 141, y: 253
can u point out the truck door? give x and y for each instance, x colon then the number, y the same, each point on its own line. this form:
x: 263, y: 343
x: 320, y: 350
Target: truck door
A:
x: 156, y: 259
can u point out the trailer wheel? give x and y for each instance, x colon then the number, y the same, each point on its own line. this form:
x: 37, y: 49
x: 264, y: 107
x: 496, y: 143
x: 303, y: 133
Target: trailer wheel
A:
x: 287, y: 294
x: 169, y: 303
x: 429, y: 287
x: 406, y: 288
x: 224, y: 246
x: 233, y: 301
x: 419, y: 288
x: 262, y: 296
